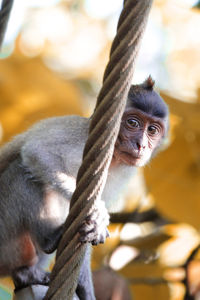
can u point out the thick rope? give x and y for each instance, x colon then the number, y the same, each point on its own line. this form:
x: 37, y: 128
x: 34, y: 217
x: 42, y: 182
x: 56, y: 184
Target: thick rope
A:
x: 99, y: 147
x: 5, y: 10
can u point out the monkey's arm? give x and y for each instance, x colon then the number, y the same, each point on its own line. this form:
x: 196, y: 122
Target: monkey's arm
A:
x: 55, y: 159
x: 50, y: 169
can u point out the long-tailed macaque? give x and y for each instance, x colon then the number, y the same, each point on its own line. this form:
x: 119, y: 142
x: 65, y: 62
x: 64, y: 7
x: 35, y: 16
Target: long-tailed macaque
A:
x: 38, y: 176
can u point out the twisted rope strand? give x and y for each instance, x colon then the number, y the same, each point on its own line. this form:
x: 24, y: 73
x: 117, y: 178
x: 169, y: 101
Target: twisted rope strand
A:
x: 4, y: 16
x: 99, y: 147
x: 120, y: 45
x: 134, y: 17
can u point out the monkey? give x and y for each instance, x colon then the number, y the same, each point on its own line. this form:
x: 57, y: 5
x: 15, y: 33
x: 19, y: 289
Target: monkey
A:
x: 38, y: 170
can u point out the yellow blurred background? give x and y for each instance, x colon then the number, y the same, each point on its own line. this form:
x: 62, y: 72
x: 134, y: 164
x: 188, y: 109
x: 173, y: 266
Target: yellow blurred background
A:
x: 52, y: 63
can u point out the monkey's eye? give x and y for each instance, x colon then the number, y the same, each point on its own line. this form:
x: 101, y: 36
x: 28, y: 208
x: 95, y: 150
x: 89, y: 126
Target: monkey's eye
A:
x: 133, y: 123
x: 153, y: 130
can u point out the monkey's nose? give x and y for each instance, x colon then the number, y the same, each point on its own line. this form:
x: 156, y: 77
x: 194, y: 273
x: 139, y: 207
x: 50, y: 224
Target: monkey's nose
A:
x: 139, y: 146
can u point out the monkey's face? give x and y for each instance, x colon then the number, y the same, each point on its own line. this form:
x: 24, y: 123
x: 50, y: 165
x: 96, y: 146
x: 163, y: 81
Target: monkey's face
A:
x: 140, y: 135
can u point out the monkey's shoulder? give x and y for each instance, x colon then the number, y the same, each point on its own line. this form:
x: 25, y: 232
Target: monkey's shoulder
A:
x: 59, y: 128
x: 57, y: 132
x: 55, y: 143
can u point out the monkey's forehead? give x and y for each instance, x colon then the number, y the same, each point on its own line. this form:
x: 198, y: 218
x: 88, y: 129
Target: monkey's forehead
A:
x: 149, y: 102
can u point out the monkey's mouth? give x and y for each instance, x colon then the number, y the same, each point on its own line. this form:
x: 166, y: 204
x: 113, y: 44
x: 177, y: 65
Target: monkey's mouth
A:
x: 131, y: 158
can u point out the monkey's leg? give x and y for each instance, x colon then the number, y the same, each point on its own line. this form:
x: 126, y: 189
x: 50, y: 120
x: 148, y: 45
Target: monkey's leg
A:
x: 85, y: 289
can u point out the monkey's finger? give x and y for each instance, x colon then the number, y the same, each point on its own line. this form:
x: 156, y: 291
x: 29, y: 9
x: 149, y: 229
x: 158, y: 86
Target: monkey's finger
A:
x: 93, y: 236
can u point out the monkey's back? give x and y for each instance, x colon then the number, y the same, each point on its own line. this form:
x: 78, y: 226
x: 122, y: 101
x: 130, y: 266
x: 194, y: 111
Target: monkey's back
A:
x: 22, y: 201
x: 17, y: 190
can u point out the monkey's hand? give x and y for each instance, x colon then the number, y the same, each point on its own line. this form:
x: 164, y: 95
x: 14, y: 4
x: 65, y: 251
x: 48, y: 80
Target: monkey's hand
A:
x: 94, y: 229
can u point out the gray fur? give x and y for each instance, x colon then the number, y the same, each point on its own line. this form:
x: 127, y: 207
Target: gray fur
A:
x: 38, y: 172
x: 38, y: 163
x: 10, y: 151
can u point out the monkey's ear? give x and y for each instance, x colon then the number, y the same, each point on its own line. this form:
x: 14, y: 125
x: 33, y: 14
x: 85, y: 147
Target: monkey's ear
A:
x: 149, y: 83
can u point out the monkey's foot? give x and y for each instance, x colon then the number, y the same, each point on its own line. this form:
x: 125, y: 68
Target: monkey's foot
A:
x: 33, y: 292
x: 26, y: 276
x: 94, y: 229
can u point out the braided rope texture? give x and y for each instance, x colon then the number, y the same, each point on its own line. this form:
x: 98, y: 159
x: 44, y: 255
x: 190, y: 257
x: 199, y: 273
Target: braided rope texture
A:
x: 98, y: 151
x: 4, y: 16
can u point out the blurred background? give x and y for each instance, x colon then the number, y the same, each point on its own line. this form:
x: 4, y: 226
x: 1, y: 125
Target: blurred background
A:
x: 51, y: 64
